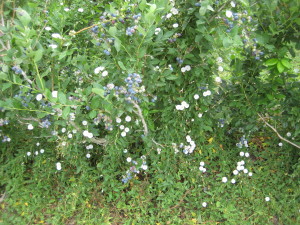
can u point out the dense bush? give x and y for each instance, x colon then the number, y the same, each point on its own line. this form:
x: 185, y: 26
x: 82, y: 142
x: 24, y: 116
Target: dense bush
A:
x: 150, y: 112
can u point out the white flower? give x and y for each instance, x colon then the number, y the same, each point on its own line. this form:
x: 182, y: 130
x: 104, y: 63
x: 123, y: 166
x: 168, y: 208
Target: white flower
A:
x: 267, y: 199
x: 74, y: 131
x: 122, y: 127
x: 104, y: 73
x: 187, y: 67
x: 48, y: 28
x: 204, y: 204
x: 235, y: 172
x: 88, y: 155
x: 219, y: 60
x: 38, y: 144
x: 228, y: 13
x: 85, y: 133
x: 245, y: 171
x: 280, y: 144
x: 183, y: 69
x: 250, y: 174
x: 206, y: 93
x: 233, y: 181
x: 98, y: 69
x: 123, y: 134
x: 80, y: 10
x: 28, y: 153
x: 54, y: 94
x: 169, y: 15
x: 188, y: 138
x: 30, y: 127
x: 118, y: 120
x: 202, y: 163
x: 175, y: 25
x: 70, y: 135
x: 36, y: 153
x: 200, y: 115
x: 242, y: 153
x: 64, y: 143
x: 90, y: 135
x: 196, y: 96
x: 39, y: 97
x: 53, y: 46
x: 224, y: 179
x: 158, y: 150
x: 56, y: 35
x: 128, y: 159
x: 218, y: 79
x: 63, y: 130
x: 157, y: 30
x: 58, y: 166
x: 84, y: 123
x: 126, y: 130
x: 174, y: 11
x: 179, y: 107
x: 288, y: 134
x: 220, y: 68
x: 144, y: 167
x: 67, y: 9
x: 42, y: 151
x: 184, y: 104
x: 247, y: 154
x: 232, y: 3
x: 127, y: 118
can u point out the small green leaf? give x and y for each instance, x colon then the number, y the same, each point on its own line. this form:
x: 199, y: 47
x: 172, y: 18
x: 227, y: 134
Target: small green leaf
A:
x: 210, y: 8
x: 112, y: 31
x: 3, y: 76
x: 286, y: 63
x: 66, y: 111
x: 62, y: 98
x: 92, y: 114
x: 117, y: 44
x: 23, y: 16
x: 121, y: 65
x: 38, y: 55
x: 171, y: 77
x: 98, y: 91
x: 280, y: 67
x: 271, y: 62
x: 5, y: 86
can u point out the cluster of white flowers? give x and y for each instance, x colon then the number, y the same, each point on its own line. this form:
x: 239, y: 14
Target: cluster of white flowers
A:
x: 101, y: 69
x: 188, y: 149
x: 89, y: 147
x: 202, y: 168
x: 126, y: 130
x: 244, y: 154
x: 158, y: 150
x: 56, y: 35
x: 186, y: 68
x: 207, y: 93
x: 80, y: 10
x: 53, y: 46
x: 72, y: 116
x: 87, y: 134
x: 218, y: 79
x: 182, y: 106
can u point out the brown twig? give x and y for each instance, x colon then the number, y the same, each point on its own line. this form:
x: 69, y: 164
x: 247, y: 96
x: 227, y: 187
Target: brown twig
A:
x: 140, y: 114
x: 282, y: 138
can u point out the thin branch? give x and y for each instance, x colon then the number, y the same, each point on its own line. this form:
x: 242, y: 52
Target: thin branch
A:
x: 2, y: 197
x: 140, y: 114
x: 26, y: 78
x: 282, y: 138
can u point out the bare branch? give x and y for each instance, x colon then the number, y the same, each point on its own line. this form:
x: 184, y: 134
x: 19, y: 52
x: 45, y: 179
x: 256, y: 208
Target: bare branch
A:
x: 26, y: 78
x: 282, y: 138
x: 140, y: 114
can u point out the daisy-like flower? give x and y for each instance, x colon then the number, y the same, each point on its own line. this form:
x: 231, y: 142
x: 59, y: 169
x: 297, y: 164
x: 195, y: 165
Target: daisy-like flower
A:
x: 280, y: 144
x: 196, y: 96
x: 200, y: 115
x: 48, y: 28
x: 84, y: 123
x: 288, y: 134
x: 242, y: 153
x: 157, y: 30
x: 144, y: 167
x: 202, y: 163
x: 126, y: 129
x: 219, y: 60
x: 66, y: 9
x: 30, y: 127
x: 127, y: 118
x: 80, y: 10
x: 235, y: 172
x: 39, y: 97
x: 233, y: 181
x: 174, y: 11
x: 220, y: 68
x: 123, y: 134
x: 267, y: 199
x: 175, y: 25
x: 42, y: 151
x: 28, y: 153
x: 88, y: 155
x: 228, y: 13
x: 70, y: 135
x: 104, y: 73
x: 56, y: 35
x: 224, y: 179
x: 118, y: 120
x: 122, y: 127
x: 250, y: 174
x: 207, y: 93
x: 204, y: 204
x: 247, y: 154
x: 53, y: 46
x: 129, y: 159
x: 218, y: 79
x: 63, y: 130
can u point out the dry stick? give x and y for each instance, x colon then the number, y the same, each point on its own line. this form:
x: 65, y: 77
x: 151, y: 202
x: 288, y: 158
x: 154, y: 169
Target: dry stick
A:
x: 86, y: 28
x: 282, y: 138
x: 139, y: 113
x: 2, y: 197
x: 26, y: 78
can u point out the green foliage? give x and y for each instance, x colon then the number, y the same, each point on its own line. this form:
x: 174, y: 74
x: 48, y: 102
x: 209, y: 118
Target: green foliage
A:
x: 107, y: 109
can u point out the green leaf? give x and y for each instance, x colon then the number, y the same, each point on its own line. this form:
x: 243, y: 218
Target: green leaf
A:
x: 271, y: 62
x: 210, y: 8
x: 112, y: 31
x: 3, y: 76
x: 286, y: 63
x: 171, y: 77
x: 98, y: 91
x: 38, y: 55
x: 62, y: 98
x: 117, y: 44
x: 5, y: 86
x: 280, y: 67
x: 66, y: 111
x: 23, y: 16
x: 121, y: 65
x: 142, y: 52
x: 92, y: 114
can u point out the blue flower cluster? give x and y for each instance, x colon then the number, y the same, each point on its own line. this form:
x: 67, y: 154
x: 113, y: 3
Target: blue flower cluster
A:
x: 127, y: 177
x: 133, y: 81
x: 106, y: 52
x: 6, y: 139
x: 17, y: 70
x: 45, y: 123
x: 95, y: 29
x: 179, y: 60
x: 106, y: 120
x: 135, y: 17
x: 130, y: 31
x: 243, y: 141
